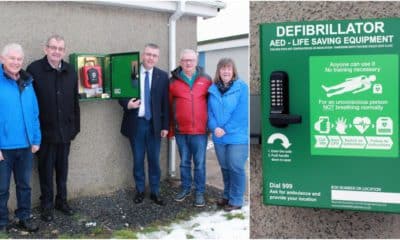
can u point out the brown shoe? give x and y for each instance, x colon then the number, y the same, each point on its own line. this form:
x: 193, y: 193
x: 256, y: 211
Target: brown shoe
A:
x: 222, y: 202
x: 229, y: 208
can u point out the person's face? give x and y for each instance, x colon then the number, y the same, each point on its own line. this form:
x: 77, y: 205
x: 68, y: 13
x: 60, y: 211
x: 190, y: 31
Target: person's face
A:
x: 189, y: 62
x: 150, y: 57
x: 226, y: 73
x: 13, y: 61
x: 55, y: 51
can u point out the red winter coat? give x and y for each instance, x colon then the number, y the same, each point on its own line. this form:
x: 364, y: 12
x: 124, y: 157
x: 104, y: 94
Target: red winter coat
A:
x: 188, y: 105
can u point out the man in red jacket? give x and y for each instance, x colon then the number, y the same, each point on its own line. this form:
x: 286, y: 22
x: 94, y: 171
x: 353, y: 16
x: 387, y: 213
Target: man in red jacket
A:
x: 188, y: 98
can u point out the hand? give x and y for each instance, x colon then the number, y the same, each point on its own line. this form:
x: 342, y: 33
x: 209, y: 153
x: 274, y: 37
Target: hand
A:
x: 134, y: 103
x: 219, y: 132
x: 1, y: 156
x: 164, y: 133
x: 35, y: 148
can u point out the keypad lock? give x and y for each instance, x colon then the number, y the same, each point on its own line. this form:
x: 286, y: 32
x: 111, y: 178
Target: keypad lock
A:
x: 279, y: 93
x: 279, y: 101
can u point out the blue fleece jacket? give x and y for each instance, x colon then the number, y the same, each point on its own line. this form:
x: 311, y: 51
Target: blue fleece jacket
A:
x: 229, y: 112
x: 19, y: 114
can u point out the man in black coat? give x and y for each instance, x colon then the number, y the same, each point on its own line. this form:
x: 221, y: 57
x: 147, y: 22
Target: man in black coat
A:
x: 56, y: 87
x: 146, y: 121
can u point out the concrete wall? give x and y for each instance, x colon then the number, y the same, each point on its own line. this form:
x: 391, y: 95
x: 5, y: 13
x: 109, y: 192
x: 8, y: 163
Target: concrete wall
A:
x: 101, y: 159
x: 291, y: 222
x: 239, y: 54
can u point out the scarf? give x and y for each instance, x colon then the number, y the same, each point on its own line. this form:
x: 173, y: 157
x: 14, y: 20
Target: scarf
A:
x: 222, y: 88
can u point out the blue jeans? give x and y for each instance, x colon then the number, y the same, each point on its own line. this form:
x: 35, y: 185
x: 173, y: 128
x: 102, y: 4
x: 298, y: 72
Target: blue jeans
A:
x: 19, y: 162
x: 146, y: 141
x: 232, y: 160
x: 192, y: 146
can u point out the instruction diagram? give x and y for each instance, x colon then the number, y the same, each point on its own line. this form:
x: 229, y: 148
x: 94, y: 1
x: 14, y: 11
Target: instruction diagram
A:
x: 354, y: 105
x: 354, y: 85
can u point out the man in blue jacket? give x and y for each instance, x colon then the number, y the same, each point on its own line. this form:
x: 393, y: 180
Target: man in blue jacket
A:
x: 146, y: 121
x: 19, y: 135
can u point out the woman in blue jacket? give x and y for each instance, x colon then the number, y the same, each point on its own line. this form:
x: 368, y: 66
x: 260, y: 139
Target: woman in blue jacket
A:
x: 228, y: 122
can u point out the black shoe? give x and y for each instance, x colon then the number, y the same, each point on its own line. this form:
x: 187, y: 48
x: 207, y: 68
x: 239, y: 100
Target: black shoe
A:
x: 157, y: 199
x: 222, y: 202
x: 64, y: 208
x: 47, y: 214
x: 27, y: 225
x: 139, y: 197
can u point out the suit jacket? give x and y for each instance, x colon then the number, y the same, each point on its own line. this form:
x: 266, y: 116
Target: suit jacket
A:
x: 159, y: 106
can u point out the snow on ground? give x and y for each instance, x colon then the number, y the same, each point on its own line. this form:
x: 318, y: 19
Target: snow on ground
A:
x: 216, y: 225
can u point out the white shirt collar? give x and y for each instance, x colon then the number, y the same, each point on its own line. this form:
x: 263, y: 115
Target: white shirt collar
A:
x: 143, y: 70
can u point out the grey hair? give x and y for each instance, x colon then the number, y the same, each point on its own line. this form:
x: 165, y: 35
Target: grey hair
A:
x: 184, y: 51
x: 57, y: 37
x: 151, y: 45
x: 12, y: 47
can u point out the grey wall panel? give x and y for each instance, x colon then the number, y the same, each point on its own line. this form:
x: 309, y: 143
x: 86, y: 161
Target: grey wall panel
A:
x: 291, y: 222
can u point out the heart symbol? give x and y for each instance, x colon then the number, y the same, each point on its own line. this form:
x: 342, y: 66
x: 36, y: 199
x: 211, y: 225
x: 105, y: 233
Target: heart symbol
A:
x: 361, y: 123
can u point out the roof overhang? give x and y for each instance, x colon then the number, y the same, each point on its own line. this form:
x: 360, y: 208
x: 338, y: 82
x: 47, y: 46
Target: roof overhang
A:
x: 204, y: 9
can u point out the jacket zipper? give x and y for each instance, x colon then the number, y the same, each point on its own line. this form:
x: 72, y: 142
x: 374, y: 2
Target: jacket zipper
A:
x: 191, y: 95
x: 23, y: 117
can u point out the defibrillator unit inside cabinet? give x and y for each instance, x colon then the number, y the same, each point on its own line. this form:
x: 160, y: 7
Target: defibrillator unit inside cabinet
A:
x: 90, y: 70
x: 105, y: 76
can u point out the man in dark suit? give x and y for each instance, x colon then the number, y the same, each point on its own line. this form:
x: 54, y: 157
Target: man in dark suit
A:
x: 56, y: 86
x: 146, y: 121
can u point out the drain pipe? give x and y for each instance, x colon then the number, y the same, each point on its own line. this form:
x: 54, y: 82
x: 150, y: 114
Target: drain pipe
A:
x: 180, y: 10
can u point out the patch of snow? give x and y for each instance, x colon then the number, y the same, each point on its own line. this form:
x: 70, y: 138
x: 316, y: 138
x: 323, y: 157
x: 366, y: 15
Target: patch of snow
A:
x: 207, y: 225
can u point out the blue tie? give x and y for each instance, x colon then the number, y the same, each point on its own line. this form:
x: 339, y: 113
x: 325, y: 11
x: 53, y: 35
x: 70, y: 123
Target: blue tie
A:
x: 147, y: 108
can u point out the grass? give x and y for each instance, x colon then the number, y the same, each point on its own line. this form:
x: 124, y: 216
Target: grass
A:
x: 4, y: 236
x: 196, y: 225
x: 189, y: 236
x: 154, y: 227
x: 231, y: 216
x: 71, y: 236
x: 184, y: 216
x: 100, y: 232
x: 79, y: 217
x: 125, y: 234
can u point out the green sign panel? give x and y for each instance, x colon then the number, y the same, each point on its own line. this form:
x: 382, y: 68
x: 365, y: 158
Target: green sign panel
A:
x: 330, y: 107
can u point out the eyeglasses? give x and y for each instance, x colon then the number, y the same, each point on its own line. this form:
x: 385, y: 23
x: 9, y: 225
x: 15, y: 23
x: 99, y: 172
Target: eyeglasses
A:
x: 54, y: 48
x: 151, y: 55
x: 188, y: 60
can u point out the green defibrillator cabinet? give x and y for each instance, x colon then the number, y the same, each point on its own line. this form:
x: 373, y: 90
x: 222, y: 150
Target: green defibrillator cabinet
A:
x: 104, y: 76
x: 330, y: 114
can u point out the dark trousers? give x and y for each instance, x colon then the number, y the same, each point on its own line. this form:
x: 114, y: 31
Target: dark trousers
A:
x: 53, y: 156
x: 18, y: 162
x: 146, y: 141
